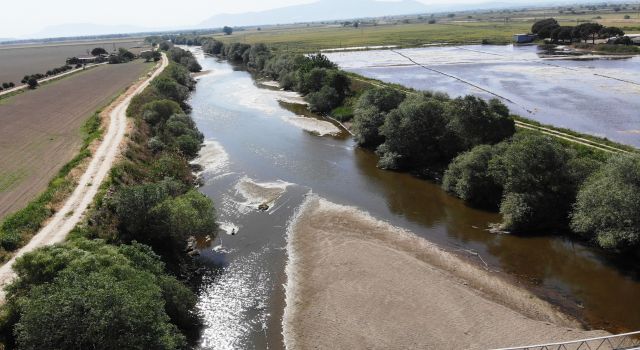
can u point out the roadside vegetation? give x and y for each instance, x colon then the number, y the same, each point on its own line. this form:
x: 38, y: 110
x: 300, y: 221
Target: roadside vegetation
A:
x: 537, y: 182
x: 120, y: 280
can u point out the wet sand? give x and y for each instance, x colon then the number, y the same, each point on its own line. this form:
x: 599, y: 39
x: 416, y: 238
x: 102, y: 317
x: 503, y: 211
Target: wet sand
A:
x: 355, y: 282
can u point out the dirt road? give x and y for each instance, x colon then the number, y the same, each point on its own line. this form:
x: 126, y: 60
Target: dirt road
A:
x: 57, y: 228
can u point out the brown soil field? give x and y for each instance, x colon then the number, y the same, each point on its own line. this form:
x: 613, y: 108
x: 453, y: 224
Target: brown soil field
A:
x: 40, y: 130
x: 18, y: 61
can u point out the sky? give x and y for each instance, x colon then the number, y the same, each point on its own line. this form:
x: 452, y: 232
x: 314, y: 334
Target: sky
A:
x: 21, y: 18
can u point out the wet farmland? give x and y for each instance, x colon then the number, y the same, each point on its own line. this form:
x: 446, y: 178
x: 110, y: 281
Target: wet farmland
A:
x: 591, y: 94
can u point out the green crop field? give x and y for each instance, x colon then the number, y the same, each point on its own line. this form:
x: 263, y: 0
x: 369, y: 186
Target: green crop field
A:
x: 463, y: 28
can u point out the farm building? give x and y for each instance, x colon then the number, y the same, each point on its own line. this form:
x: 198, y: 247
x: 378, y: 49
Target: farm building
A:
x: 524, y: 38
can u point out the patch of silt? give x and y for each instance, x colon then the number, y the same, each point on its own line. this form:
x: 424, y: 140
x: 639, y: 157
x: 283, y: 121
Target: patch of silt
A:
x: 354, y: 279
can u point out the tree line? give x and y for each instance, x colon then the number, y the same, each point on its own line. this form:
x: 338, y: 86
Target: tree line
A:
x: 550, y: 28
x: 536, y: 182
x: 6, y: 86
x: 120, y: 279
x: 324, y: 86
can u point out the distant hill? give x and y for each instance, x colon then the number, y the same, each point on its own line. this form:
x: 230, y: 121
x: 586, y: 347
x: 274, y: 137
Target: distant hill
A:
x: 322, y: 10
x: 86, y: 29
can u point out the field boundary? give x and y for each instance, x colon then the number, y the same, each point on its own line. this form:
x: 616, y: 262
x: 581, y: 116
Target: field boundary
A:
x: 19, y: 88
x: 57, y: 228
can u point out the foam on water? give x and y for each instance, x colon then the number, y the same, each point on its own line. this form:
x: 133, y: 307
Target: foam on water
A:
x: 319, y: 127
x: 212, y: 157
x: 258, y: 193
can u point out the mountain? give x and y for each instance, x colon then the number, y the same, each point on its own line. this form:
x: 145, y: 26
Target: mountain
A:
x: 86, y: 29
x: 322, y: 10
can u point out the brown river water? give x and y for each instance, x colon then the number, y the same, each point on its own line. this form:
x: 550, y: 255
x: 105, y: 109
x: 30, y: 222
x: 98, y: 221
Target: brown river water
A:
x: 259, y: 150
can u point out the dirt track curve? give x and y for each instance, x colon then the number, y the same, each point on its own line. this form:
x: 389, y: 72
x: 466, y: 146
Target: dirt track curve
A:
x: 57, y: 228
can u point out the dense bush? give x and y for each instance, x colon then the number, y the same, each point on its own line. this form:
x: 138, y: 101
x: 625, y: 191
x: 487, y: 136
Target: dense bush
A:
x: 315, y: 76
x: 608, y: 204
x: 539, y: 183
x: 469, y: 177
x: 477, y: 122
x: 415, y: 134
x: 87, y: 294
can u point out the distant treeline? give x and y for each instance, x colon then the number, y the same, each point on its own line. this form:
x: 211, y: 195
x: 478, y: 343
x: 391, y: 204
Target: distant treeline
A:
x: 550, y: 28
x: 119, y: 280
x: 324, y: 86
x: 535, y: 181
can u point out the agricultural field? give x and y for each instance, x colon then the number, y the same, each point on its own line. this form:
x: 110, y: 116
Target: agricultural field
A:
x: 464, y: 28
x: 41, y: 129
x: 16, y: 61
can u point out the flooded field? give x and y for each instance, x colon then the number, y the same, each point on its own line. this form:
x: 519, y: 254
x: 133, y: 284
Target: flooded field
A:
x: 590, y: 94
x: 259, y: 153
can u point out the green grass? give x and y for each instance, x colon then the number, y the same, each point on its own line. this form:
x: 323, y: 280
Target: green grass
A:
x: 10, y: 179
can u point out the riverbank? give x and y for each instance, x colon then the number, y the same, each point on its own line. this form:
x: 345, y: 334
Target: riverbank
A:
x: 400, y: 291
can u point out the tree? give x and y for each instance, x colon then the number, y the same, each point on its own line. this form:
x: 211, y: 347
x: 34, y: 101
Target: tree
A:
x: 98, y: 51
x: 609, y: 32
x: 384, y: 99
x: 607, y: 206
x: 227, y: 30
x: 477, y: 122
x: 125, y: 54
x: 538, y: 182
x: 324, y: 100
x: 563, y: 34
x: 32, y: 82
x: 468, y: 177
x: 86, y: 294
x: 545, y: 27
x: 366, y: 126
x: 587, y: 31
x: 147, y: 56
x: 415, y: 134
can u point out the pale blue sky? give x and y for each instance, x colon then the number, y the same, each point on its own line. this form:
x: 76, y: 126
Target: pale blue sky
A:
x: 21, y: 18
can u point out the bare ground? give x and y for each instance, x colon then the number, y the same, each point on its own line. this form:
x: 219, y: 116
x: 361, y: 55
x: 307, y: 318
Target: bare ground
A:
x: 40, y: 129
x: 355, y: 282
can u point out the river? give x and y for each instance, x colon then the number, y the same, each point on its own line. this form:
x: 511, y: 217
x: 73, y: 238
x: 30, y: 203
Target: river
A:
x: 258, y: 151
x: 585, y: 93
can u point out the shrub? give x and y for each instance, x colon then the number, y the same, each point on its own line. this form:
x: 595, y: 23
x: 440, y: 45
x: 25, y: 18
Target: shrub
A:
x: 415, y: 133
x: 323, y: 101
x: 86, y: 294
x: 468, y: 177
x: 366, y: 126
x: 607, y: 206
x: 538, y: 181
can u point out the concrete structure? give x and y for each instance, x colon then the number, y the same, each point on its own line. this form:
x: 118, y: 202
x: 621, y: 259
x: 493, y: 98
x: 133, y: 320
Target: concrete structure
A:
x: 524, y: 38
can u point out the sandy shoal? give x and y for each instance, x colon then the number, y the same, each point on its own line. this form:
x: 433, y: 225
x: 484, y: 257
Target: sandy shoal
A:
x: 355, y: 282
